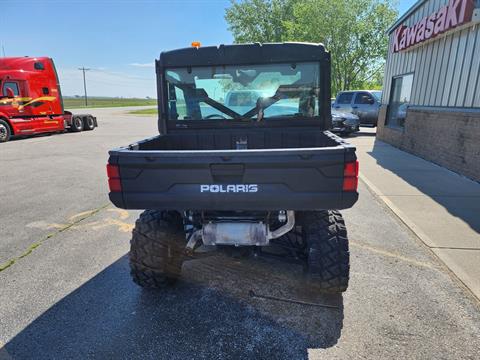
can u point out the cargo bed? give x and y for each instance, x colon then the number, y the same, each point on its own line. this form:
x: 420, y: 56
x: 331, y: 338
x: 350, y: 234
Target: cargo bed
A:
x: 239, y: 169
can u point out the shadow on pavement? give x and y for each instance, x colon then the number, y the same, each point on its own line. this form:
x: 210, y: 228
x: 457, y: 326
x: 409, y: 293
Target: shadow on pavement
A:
x: 364, y: 133
x: 207, y: 315
x: 459, y: 196
x: 19, y: 137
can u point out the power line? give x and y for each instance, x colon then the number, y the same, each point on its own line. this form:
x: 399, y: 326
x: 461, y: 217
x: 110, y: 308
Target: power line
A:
x: 84, y: 83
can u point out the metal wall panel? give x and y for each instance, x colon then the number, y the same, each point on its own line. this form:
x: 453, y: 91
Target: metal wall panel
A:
x: 433, y: 74
x: 466, y: 66
x: 473, y: 85
x: 457, y: 69
x: 450, y: 69
x: 446, y: 70
x: 447, y: 45
x: 437, y: 70
x: 476, y: 100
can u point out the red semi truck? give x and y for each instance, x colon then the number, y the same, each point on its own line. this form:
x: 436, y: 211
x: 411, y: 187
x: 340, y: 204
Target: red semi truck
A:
x: 31, y: 100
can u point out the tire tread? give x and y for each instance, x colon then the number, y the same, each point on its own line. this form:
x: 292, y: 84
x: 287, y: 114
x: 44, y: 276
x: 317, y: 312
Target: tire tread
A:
x: 328, y: 261
x: 156, y: 249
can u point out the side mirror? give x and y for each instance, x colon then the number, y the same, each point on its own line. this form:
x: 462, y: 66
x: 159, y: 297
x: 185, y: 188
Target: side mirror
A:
x: 10, y: 94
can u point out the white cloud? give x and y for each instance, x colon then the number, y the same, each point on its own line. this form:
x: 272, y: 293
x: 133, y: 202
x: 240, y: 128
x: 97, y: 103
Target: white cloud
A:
x: 144, y: 65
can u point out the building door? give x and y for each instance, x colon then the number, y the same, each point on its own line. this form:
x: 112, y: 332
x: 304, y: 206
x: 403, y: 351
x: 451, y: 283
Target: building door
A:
x: 399, y: 100
x: 21, y: 123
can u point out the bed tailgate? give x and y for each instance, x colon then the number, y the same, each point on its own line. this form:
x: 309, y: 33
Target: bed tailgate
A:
x: 285, y: 179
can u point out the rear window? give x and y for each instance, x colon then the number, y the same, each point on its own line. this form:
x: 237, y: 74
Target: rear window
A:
x: 244, y: 92
x: 345, y: 98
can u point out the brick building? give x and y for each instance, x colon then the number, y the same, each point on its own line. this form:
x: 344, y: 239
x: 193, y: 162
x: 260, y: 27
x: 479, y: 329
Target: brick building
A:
x: 431, y: 99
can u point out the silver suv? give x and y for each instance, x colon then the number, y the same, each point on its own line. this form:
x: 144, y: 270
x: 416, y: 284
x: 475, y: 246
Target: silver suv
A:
x: 363, y: 103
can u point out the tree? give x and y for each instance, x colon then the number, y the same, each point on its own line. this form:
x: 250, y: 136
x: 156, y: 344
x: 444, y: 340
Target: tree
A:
x: 354, y: 31
x: 259, y: 20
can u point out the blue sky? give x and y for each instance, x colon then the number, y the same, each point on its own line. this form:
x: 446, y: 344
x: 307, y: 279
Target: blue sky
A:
x: 117, y: 39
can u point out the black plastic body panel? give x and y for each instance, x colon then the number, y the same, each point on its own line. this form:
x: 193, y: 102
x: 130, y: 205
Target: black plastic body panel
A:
x: 286, y: 179
x: 245, y: 54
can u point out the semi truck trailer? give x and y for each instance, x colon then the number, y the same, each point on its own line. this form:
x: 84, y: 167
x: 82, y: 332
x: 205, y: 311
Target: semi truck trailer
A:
x: 31, y: 100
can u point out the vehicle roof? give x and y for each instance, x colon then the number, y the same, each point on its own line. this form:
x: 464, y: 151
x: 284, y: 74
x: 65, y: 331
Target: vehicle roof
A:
x: 19, y: 67
x: 19, y: 63
x: 354, y: 91
x: 243, y: 54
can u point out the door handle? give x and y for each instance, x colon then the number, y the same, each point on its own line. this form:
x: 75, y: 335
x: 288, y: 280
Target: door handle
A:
x: 354, y: 107
x: 337, y: 107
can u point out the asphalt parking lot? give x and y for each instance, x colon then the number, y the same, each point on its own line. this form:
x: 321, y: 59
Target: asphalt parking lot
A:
x: 65, y: 290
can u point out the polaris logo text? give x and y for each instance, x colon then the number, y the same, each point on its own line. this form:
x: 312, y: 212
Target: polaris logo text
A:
x: 237, y: 188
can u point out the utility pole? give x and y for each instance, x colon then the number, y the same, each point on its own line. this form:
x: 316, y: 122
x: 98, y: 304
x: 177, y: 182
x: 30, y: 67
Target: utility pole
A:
x: 3, y: 50
x: 84, y: 84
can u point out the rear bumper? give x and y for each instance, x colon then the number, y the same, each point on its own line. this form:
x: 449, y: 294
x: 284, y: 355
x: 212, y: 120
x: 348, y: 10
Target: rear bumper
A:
x: 260, y: 201
x: 229, y: 180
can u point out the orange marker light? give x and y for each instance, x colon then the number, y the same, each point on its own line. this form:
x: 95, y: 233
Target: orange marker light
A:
x: 196, y: 44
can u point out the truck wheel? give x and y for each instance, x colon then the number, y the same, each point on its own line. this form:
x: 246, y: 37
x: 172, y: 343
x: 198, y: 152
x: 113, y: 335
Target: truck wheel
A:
x: 77, y: 124
x: 5, y: 132
x: 88, y: 123
x: 157, y: 249
x: 328, y: 258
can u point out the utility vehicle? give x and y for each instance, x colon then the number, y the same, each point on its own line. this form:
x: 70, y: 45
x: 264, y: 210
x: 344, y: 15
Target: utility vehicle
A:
x: 249, y: 182
x: 31, y: 100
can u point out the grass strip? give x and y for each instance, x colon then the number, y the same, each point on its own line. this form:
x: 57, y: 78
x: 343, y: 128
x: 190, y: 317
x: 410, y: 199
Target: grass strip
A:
x: 35, y: 245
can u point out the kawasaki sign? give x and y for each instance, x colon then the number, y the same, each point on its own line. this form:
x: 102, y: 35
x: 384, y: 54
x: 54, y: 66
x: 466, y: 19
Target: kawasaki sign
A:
x: 456, y: 13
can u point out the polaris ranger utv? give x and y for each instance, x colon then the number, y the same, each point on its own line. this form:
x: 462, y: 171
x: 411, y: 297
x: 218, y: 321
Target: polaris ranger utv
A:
x: 255, y: 175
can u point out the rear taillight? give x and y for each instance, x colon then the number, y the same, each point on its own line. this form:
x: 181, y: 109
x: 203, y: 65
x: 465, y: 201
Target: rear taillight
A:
x: 114, y: 182
x: 350, y: 176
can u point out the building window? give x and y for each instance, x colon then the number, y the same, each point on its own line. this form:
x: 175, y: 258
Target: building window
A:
x: 399, y: 100
x: 10, y: 85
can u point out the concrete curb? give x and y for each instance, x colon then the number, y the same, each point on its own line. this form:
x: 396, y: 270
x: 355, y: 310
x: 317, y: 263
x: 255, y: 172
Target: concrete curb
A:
x: 415, y: 229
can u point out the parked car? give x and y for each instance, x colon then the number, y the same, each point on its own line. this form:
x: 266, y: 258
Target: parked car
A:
x: 344, y: 123
x: 363, y: 103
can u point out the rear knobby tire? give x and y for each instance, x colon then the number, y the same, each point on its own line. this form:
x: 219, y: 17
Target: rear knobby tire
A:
x: 157, y: 249
x: 328, y: 258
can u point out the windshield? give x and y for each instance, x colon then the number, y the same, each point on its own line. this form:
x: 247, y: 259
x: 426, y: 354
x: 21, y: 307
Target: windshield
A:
x: 243, y: 92
x: 378, y: 95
